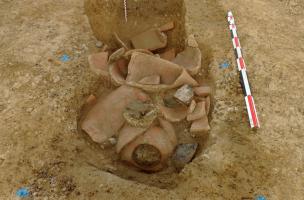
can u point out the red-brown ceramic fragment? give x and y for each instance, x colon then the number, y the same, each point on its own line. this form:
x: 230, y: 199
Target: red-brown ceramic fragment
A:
x: 192, y: 106
x: 105, y: 118
x: 199, y: 112
x: 129, y: 53
x: 167, y: 27
x: 168, y: 127
x: 91, y: 100
x: 126, y: 135
x: 152, y: 39
x: 190, y: 59
x: 150, y: 80
x: 202, y: 91
x: 208, y: 104
x: 174, y: 114
x: 168, y: 55
x: 171, y: 75
x: 200, y: 125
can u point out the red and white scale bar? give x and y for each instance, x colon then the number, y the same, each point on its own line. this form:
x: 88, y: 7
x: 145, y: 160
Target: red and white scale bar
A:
x: 252, y: 113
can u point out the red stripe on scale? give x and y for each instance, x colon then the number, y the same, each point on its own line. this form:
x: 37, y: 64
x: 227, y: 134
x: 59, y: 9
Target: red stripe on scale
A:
x: 236, y: 42
x: 232, y: 26
x: 253, y: 111
x: 241, y: 63
x: 230, y: 18
x: 250, y: 106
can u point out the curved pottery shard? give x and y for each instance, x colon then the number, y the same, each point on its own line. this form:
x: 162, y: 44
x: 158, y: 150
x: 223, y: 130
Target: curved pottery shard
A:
x: 174, y: 114
x: 149, y: 150
x: 152, y: 39
x: 118, y: 64
x: 171, y: 75
x: 127, y: 134
x: 106, y: 118
x: 190, y: 58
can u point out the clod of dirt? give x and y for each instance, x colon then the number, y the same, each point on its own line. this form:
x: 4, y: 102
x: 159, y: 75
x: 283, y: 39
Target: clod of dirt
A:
x: 184, y: 94
x: 184, y: 153
x: 152, y: 39
x: 98, y: 63
x: 191, y: 42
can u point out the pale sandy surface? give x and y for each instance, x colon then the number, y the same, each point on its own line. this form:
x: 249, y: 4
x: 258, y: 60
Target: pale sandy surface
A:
x: 41, y: 96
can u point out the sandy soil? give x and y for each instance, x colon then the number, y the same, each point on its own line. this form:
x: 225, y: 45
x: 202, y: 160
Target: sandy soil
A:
x: 41, y: 97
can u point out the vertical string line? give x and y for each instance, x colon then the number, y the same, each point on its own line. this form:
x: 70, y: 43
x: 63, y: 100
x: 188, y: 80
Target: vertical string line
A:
x: 126, y: 12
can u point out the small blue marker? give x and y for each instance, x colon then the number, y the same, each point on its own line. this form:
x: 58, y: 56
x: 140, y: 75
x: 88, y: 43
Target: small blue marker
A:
x: 260, y: 197
x: 224, y: 65
x: 65, y: 58
x: 22, y: 192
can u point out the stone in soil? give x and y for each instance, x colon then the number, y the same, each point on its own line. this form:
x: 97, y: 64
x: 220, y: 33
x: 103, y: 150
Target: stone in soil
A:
x: 99, y: 44
x: 98, y: 63
x: 184, y: 94
x: 184, y: 153
x: 152, y: 39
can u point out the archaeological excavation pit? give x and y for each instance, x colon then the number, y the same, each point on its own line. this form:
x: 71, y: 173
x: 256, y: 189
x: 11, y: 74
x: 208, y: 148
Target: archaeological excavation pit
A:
x: 150, y: 116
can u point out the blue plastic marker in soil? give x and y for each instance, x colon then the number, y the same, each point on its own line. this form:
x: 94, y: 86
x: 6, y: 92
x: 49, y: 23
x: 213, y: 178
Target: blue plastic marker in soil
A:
x: 22, y: 192
x: 224, y: 65
x: 260, y: 197
x: 65, y: 58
